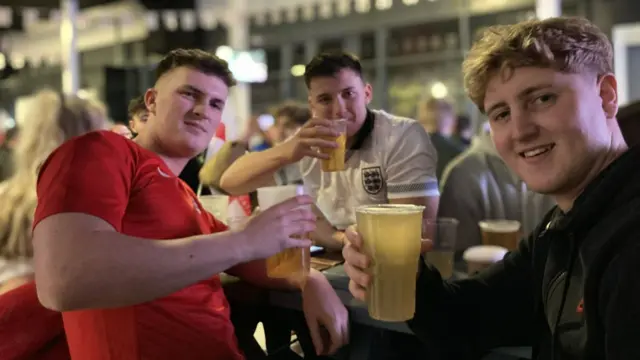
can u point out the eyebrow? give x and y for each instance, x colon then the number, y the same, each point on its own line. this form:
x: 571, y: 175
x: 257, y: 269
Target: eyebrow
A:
x: 327, y: 94
x: 214, y: 99
x: 524, y: 93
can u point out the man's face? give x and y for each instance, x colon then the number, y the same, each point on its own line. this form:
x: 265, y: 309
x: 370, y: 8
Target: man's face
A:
x: 438, y: 117
x: 286, y: 127
x: 185, y: 108
x: 138, y: 121
x: 342, y: 96
x: 551, y: 127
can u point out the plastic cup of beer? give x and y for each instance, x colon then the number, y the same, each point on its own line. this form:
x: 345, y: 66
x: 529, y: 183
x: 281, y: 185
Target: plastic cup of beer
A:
x: 504, y: 233
x: 295, y: 263
x: 443, y: 232
x: 391, y: 235
x: 481, y: 257
x: 336, y: 159
x: 217, y: 205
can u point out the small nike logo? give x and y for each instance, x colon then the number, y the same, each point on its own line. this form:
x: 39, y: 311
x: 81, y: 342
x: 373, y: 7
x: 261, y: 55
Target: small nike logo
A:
x: 196, y: 206
x: 162, y: 173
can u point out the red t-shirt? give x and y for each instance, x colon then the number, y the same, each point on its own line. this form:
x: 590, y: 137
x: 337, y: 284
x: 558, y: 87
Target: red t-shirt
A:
x: 106, y: 175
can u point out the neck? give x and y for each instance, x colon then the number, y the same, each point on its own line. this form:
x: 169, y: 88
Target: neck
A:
x: 175, y: 164
x: 566, y: 199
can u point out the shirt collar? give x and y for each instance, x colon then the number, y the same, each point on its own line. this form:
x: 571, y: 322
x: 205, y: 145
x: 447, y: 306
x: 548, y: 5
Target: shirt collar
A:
x: 363, y: 134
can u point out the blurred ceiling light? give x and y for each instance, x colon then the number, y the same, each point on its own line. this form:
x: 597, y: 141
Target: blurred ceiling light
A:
x: 298, y: 70
x: 439, y: 90
x: 410, y: 2
x: 224, y: 52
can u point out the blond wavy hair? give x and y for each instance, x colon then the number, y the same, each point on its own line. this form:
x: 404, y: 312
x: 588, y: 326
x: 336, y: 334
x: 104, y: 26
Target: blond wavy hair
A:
x: 566, y: 44
x: 51, y: 120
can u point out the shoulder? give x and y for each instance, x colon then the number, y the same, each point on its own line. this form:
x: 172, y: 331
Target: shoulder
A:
x: 386, y: 124
x: 98, y: 142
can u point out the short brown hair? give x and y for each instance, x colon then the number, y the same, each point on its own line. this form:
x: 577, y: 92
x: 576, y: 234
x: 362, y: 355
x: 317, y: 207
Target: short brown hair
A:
x: 566, y: 44
x: 295, y: 112
x: 136, y: 106
x: 196, y: 59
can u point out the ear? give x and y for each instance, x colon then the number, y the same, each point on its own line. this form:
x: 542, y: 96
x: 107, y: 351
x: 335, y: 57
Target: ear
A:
x: 150, y: 100
x: 368, y: 93
x: 608, y: 86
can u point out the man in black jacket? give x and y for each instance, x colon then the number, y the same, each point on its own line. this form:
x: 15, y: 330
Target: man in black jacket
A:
x: 572, y: 289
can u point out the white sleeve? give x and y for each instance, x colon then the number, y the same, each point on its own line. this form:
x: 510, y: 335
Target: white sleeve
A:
x: 411, y: 165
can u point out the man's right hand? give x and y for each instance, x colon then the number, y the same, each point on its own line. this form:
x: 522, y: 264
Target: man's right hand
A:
x: 309, y: 139
x: 356, y: 262
x: 280, y: 227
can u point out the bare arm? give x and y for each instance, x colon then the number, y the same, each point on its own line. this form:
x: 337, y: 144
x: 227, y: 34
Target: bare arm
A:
x: 82, y: 262
x: 326, y: 235
x: 257, y: 169
x: 254, y: 170
x: 212, y: 170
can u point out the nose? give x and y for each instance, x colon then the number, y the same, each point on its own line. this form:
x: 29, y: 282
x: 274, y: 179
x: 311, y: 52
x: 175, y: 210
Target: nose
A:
x: 200, y: 110
x: 338, y: 108
x: 524, y: 128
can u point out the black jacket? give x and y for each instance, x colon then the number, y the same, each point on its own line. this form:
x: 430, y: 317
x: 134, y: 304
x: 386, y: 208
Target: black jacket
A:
x: 526, y: 300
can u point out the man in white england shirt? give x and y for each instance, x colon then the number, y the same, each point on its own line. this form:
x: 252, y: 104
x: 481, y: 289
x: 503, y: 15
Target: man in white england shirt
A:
x: 389, y: 159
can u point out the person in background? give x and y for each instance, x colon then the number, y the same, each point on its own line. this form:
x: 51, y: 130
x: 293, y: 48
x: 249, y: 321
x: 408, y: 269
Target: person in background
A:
x: 122, y: 129
x: 394, y: 153
x: 126, y: 252
x: 478, y: 185
x: 138, y: 114
x: 439, y: 120
x: 571, y: 288
x: 464, y: 130
x: 51, y: 123
x: 289, y: 117
x: 7, y: 150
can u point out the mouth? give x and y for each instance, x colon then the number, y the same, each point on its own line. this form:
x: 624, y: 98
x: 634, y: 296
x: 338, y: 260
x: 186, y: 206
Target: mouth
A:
x: 537, y: 151
x: 195, y: 124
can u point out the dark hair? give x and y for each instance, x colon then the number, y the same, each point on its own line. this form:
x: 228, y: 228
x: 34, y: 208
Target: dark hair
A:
x: 331, y: 63
x: 11, y: 133
x: 296, y: 112
x: 463, y: 122
x: 196, y: 59
x: 136, y: 106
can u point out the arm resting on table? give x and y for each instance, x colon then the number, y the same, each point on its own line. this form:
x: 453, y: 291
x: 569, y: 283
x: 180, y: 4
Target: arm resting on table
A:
x: 81, y: 262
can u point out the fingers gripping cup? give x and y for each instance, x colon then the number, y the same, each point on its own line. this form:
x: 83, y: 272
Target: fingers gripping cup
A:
x: 503, y: 233
x: 293, y: 264
x: 391, y: 236
x: 336, y: 160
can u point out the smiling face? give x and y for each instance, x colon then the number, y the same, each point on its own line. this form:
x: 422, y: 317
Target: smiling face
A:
x: 344, y: 95
x: 185, y: 108
x: 550, y: 127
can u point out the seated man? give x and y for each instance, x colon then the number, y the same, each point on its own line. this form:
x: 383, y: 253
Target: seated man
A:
x: 478, y: 185
x: 571, y: 289
x: 389, y: 159
x: 125, y: 250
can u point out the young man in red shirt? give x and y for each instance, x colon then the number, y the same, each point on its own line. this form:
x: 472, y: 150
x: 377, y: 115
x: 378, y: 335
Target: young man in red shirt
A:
x: 125, y: 250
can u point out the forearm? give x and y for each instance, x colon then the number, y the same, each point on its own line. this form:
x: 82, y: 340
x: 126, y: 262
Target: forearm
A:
x: 486, y: 311
x: 109, y: 269
x: 327, y: 236
x: 253, y: 170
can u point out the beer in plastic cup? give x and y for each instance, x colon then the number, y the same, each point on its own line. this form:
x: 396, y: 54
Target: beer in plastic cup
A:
x: 391, y: 235
x: 336, y: 159
x: 443, y: 233
x: 295, y: 263
x: 217, y: 205
x: 504, y: 233
x: 481, y: 257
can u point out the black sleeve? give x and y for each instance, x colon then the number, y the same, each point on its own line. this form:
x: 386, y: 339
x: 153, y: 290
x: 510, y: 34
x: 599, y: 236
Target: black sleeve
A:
x: 619, y: 304
x: 465, y: 318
